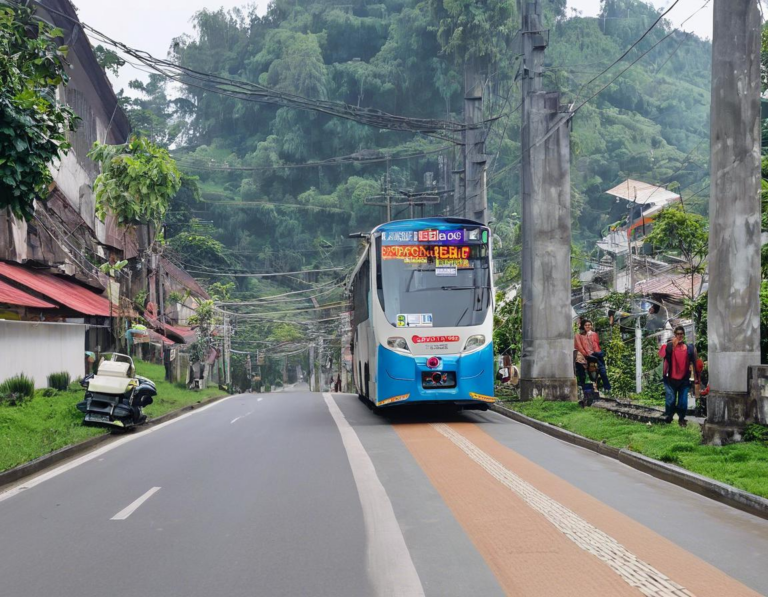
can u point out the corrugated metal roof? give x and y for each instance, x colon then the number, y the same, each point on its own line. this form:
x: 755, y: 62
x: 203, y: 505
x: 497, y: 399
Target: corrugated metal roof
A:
x: 184, y: 278
x: 187, y: 335
x: 158, y: 337
x: 677, y: 286
x: 60, y: 290
x: 13, y: 296
x: 642, y: 192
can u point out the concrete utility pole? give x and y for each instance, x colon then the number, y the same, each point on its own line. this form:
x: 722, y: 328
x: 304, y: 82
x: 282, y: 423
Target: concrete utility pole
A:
x: 311, y: 376
x: 547, y: 360
x: 734, y: 216
x: 476, y: 201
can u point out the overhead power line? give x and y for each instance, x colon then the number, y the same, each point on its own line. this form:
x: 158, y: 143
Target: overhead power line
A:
x: 254, y: 92
x: 185, y: 162
x: 269, y: 274
x: 566, y: 118
x: 629, y: 49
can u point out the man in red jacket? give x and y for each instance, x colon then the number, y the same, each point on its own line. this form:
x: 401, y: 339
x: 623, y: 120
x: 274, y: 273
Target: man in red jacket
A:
x: 678, y: 357
x: 587, y: 345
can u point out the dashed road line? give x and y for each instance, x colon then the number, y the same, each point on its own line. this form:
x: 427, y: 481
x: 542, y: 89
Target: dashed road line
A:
x: 236, y: 419
x: 127, y: 511
x: 34, y: 481
x: 632, y: 570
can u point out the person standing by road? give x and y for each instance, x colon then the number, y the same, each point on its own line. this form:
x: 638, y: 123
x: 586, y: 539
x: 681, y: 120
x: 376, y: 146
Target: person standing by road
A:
x: 678, y: 358
x: 587, y: 345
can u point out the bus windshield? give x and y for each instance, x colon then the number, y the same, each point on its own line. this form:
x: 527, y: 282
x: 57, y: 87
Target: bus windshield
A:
x: 433, y: 285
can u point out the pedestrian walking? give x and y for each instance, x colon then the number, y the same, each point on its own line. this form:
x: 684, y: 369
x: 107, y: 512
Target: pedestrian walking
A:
x: 678, y: 357
x: 587, y: 345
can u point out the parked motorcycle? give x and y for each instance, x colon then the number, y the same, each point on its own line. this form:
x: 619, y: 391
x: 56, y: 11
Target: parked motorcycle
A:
x: 115, y: 395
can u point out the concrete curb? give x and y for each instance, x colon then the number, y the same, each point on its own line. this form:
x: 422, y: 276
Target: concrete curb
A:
x: 33, y: 467
x: 715, y: 490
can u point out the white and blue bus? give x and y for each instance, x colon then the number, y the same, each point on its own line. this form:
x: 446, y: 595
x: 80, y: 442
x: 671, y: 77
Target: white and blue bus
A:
x: 422, y: 314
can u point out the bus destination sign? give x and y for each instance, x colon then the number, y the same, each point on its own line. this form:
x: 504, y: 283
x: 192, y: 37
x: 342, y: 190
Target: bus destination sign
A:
x: 459, y: 236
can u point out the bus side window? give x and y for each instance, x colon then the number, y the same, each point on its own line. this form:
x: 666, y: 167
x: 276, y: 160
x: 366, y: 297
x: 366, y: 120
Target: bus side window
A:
x: 361, y: 288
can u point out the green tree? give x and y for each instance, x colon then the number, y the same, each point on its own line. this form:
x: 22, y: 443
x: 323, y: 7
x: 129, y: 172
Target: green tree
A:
x: 137, y: 181
x: 154, y: 115
x: 201, y: 251
x: 508, y: 325
x: 33, y: 123
x: 684, y: 234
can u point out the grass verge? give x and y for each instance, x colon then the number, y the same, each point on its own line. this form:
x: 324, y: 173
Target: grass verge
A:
x: 42, y: 425
x: 743, y: 465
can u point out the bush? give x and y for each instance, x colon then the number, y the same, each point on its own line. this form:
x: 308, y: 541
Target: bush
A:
x: 756, y: 433
x: 59, y: 381
x: 48, y: 392
x: 16, y: 390
x: 267, y: 388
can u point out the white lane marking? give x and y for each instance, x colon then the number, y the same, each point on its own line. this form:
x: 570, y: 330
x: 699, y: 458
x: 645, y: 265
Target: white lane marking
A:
x: 101, y: 451
x: 127, y: 511
x: 632, y: 570
x: 389, y: 562
x: 259, y: 400
x: 240, y: 417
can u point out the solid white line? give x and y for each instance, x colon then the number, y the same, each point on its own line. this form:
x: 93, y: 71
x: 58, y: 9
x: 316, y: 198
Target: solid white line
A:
x: 126, y: 512
x: 96, y: 453
x: 390, y: 567
x: 260, y: 399
x: 634, y: 571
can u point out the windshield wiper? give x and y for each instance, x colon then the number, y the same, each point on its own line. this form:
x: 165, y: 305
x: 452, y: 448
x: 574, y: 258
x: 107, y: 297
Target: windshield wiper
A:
x: 462, y: 287
x: 462, y: 316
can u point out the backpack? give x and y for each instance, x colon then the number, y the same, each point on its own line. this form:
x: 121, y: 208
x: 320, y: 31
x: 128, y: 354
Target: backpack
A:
x: 668, y: 359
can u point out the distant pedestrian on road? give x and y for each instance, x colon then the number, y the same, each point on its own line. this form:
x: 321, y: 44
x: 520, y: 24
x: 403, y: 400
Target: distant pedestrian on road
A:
x: 678, y: 358
x: 587, y: 345
x: 337, y: 385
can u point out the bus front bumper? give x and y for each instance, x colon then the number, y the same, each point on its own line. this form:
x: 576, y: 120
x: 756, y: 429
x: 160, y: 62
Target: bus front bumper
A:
x: 399, y: 378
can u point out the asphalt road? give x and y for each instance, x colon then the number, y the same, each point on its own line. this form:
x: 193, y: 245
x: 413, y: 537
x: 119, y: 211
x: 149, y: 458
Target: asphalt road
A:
x: 294, y: 494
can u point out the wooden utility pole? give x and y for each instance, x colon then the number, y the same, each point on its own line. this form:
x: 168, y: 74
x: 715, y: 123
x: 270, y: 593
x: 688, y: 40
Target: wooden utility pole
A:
x: 386, y: 196
x: 734, y: 222
x: 547, y: 359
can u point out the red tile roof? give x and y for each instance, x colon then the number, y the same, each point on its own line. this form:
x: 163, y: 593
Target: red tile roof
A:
x: 62, y: 291
x: 13, y: 296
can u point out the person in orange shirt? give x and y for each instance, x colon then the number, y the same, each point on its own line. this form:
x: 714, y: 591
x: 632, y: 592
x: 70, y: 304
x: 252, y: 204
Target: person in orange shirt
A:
x: 678, y: 358
x: 587, y: 345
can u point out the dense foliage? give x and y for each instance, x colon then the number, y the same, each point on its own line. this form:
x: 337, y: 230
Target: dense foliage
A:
x: 33, y: 124
x: 278, y: 189
x: 137, y: 181
x: 407, y: 57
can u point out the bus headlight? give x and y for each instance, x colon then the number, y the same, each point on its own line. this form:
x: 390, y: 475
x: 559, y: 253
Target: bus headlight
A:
x: 398, y: 343
x: 474, y: 342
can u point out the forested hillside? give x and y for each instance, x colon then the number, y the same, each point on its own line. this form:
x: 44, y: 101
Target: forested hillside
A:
x: 405, y: 58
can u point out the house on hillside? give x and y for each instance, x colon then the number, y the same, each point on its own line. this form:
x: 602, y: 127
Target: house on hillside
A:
x: 624, y: 242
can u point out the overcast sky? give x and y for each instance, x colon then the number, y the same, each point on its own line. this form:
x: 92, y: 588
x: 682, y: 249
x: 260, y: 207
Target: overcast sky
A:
x: 151, y: 24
